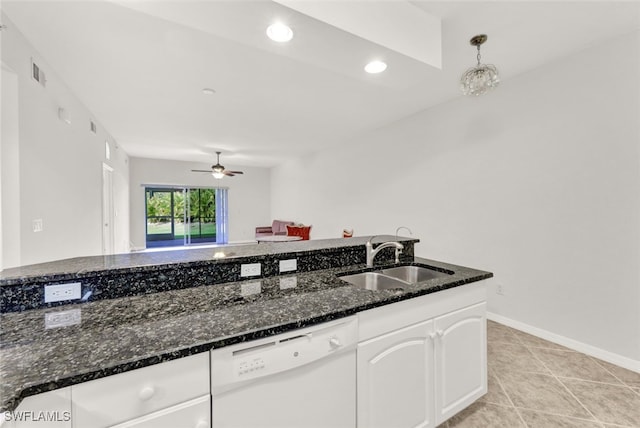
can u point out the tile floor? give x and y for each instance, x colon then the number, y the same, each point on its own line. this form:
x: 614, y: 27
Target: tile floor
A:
x: 534, y: 383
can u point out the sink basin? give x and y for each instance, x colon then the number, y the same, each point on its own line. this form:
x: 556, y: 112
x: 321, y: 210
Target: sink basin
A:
x: 413, y: 274
x: 374, y: 281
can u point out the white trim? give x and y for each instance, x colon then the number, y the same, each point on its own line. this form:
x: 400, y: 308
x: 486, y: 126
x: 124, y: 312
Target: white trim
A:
x: 108, y: 211
x: 610, y: 357
x: 179, y: 186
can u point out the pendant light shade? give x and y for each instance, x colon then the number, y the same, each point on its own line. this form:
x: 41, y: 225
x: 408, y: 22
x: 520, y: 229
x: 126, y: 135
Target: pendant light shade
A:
x: 481, y: 78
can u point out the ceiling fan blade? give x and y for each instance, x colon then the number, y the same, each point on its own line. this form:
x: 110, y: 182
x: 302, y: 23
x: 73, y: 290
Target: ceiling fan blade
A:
x: 228, y: 173
x: 201, y: 170
x: 236, y: 172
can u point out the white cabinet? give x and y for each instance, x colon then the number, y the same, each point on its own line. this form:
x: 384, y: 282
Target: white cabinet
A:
x: 172, y: 394
x: 127, y: 396
x: 460, y: 360
x: 50, y: 409
x: 423, y: 360
x: 395, y: 379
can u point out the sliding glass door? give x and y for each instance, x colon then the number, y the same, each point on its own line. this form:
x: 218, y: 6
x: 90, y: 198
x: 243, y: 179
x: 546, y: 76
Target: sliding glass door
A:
x: 183, y: 216
x: 161, y: 225
x: 200, y: 216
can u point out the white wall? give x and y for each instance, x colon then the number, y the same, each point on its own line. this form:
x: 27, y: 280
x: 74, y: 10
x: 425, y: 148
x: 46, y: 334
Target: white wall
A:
x: 10, y: 177
x: 60, y: 166
x: 538, y: 182
x: 249, y: 194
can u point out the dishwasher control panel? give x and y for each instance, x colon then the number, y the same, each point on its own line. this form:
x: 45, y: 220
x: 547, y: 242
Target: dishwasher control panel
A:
x: 264, y: 357
x: 250, y: 366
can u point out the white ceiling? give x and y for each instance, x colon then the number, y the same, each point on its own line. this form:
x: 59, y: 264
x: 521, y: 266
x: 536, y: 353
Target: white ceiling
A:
x: 140, y: 68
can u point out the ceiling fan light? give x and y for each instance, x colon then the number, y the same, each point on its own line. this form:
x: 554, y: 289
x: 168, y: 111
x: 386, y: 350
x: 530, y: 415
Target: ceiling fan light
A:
x: 217, y: 174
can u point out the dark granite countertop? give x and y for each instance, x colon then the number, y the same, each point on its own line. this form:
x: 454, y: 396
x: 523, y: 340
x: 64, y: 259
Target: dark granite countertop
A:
x: 144, y: 261
x: 117, y: 335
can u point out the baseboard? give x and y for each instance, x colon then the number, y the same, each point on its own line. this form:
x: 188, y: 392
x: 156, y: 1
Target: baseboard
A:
x: 593, y: 351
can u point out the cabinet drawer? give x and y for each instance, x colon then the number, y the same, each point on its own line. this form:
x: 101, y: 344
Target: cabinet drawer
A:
x: 385, y: 319
x: 118, y: 398
x: 192, y: 414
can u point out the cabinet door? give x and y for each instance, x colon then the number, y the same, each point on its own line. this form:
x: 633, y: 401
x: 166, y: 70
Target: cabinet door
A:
x: 395, y: 379
x: 460, y: 360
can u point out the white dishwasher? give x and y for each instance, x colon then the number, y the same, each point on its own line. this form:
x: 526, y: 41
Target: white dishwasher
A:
x: 303, y: 378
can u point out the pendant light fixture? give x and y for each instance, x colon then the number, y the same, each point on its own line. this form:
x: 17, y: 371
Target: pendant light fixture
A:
x: 481, y: 78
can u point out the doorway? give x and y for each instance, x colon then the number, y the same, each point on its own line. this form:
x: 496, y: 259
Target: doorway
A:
x: 107, y: 210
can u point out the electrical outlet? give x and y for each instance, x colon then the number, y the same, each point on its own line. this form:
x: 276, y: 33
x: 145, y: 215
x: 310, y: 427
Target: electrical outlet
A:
x: 250, y: 288
x: 251, y: 269
x: 62, y: 318
x: 288, y: 265
x: 37, y: 225
x: 288, y: 282
x: 60, y: 292
x: 499, y: 289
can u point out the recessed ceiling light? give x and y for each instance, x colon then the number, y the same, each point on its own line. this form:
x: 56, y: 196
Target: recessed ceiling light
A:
x: 208, y: 91
x: 279, y: 32
x: 375, y: 67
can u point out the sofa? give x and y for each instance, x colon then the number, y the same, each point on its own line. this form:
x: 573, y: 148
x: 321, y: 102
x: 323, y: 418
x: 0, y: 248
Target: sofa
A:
x: 278, y: 227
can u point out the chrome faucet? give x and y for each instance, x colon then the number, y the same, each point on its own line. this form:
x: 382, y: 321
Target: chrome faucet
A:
x: 371, y: 253
x: 403, y: 227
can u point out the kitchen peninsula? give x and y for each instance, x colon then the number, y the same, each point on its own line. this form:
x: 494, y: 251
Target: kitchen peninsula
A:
x: 141, y: 311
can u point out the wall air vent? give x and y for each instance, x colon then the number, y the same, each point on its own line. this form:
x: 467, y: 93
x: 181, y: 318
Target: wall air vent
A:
x: 93, y: 127
x: 37, y: 74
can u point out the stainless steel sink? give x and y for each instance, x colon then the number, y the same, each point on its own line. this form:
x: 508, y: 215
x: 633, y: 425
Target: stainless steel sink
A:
x: 413, y: 274
x: 395, y: 278
x: 374, y: 281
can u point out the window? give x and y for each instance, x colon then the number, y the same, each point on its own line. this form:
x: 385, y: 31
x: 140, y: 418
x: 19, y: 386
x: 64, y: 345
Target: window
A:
x: 183, y: 216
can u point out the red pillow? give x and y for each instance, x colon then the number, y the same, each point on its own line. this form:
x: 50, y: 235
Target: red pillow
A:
x: 302, y: 231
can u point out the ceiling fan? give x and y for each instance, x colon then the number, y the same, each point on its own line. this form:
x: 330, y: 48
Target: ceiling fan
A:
x: 218, y: 171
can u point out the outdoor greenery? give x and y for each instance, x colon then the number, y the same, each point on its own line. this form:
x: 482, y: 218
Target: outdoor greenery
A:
x: 201, y: 213
x: 208, y: 229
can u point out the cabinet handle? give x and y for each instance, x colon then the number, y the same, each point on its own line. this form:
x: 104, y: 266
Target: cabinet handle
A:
x: 440, y: 333
x: 146, y: 393
x: 334, y: 342
x: 432, y: 336
x: 202, y: 424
